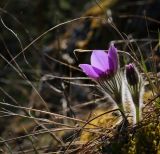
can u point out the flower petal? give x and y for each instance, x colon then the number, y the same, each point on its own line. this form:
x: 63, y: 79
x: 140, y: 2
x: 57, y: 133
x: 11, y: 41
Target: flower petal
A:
x: 99, y: 60
x: 111, y: 69
x: 112, y: 53
x: 89, y: 70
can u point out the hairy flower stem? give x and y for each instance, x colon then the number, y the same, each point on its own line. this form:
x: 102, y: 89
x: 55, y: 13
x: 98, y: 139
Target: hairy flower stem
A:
x: 138, y: 116
x: 120, y: 106
x: 135, y: 91
x: 113, y: 87
x: 117, y: 81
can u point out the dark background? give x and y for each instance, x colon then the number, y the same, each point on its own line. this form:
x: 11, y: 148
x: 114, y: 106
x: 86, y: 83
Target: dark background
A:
x: 28, y: 19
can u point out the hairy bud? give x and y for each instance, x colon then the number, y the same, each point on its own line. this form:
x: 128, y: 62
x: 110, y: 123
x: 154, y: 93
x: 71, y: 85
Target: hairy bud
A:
x: 131, y: 74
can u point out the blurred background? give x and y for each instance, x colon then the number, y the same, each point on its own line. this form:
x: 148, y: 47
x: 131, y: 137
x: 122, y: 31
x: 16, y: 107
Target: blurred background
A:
x: 22, y: 21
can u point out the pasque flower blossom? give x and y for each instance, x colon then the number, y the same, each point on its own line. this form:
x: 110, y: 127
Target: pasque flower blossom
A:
x: 104, y: 69
x: 103, y: 64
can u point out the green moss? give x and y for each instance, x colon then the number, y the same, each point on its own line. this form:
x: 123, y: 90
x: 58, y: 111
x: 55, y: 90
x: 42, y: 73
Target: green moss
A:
x: 144, y: 140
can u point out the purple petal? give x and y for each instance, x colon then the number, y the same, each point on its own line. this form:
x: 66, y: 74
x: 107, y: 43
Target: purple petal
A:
x: 111, y: 65
x: 99, y: 72
x: 99, y: 59
x: 112, y: 53
x: 89, y: 70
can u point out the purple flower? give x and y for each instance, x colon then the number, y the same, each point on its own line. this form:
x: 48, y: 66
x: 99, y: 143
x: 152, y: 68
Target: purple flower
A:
x: 103, y: 64
x: 131, y: 74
